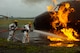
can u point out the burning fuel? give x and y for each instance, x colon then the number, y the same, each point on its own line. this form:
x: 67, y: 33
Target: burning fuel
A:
x: 70, y: 33
x: 63, y: 22
x: 61, y: 45
x: 55, y: 2
x: 61, y: 17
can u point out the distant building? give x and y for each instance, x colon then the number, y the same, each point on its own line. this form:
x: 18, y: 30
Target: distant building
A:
x: 3, y: 17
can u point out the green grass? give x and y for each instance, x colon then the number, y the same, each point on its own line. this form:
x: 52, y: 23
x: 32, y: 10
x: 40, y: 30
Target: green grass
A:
x: 5, y: 23
x: 17, y: 47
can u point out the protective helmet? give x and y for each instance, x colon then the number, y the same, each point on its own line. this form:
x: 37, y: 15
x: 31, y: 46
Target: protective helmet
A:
x: 15, y: 20
x: 29, y: 23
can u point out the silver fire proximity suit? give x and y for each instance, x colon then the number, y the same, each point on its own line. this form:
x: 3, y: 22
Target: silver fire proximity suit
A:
x: 12, y: 28
x: 26, y: 30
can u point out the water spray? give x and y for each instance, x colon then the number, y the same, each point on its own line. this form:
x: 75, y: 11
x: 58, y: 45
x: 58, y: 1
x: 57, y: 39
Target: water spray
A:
x: 49, y: 34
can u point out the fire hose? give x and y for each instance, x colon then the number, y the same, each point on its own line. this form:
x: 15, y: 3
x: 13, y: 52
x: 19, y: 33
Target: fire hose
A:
x: 1, y: 31
x: 40, y: 32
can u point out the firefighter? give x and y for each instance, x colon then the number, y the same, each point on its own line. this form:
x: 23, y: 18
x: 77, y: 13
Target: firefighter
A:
x: 26, y: 30
x: 12, y: 28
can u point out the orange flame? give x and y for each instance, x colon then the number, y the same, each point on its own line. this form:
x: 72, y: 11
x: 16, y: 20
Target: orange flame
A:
x: 63, y: 13
x: 54, y: 39
x: 61, y: 44
x: 61, y: 17
x: 50, y: 8
x: 70, y: 33
x: 55, y: 2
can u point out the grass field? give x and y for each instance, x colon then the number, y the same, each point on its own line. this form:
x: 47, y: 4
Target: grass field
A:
x: 18, y: 47
x: 21, y: 22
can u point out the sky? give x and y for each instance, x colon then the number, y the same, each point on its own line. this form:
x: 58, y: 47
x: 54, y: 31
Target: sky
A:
x: 24, y: 8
